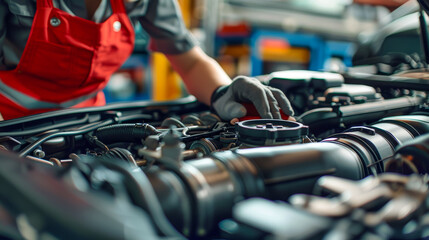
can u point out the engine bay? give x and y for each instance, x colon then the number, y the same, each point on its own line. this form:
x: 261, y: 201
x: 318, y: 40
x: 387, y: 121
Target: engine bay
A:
x: 353, y: 166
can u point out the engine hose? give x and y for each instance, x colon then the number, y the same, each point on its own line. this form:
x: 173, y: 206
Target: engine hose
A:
x: 142, y: 193
x: 322, y: 119
x: 125, y: 132
x: 412, y: 157
x: 120, y: 154
x: 216, y: 182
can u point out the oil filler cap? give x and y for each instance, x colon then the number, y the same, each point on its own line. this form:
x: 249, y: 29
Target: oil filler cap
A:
x: 269, y: 132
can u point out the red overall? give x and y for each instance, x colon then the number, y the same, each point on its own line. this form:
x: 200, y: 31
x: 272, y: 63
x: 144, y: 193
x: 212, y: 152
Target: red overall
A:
x: 67, y: 61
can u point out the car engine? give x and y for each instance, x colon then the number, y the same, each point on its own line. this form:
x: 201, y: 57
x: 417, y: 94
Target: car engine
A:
x: 352, y: 165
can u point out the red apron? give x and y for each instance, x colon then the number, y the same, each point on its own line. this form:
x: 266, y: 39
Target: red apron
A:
x: 67, y: 61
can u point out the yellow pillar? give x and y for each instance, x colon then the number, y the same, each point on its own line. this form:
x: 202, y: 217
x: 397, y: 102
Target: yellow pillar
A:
x: 166, y: 83
x: 186, y: 7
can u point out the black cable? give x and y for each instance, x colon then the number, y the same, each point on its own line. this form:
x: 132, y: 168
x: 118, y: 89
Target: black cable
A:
x: 46, y: 128
x: 424, y: 34
x: 424, y: 5
x: 81, y: 130
x: 201, y: 135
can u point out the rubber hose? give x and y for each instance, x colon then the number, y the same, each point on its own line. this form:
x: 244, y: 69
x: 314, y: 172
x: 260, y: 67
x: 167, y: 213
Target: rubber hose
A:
x: 125, y: 132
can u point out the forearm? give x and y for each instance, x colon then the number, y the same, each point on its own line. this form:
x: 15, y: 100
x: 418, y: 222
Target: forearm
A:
x: 200, y: 73
x: 204, y: 77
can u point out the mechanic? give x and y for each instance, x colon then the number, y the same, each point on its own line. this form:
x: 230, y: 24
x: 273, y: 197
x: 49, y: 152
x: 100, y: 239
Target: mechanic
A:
x: 60, y: 53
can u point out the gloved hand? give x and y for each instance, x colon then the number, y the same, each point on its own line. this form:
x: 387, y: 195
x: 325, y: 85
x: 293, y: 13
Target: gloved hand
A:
x: 267, y: 100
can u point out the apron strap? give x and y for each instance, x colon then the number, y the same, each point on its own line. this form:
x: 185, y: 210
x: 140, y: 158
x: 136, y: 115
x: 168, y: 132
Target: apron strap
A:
x: 118, y: 6
x: 44, y: 4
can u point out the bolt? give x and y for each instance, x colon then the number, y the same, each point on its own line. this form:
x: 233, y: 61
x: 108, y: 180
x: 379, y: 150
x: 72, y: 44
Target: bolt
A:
x: 38, y: 153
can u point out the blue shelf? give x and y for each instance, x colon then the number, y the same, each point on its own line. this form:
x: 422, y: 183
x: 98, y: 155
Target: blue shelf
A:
x: 320, y: 50
x: 312, y: 42
x: 343, y: 50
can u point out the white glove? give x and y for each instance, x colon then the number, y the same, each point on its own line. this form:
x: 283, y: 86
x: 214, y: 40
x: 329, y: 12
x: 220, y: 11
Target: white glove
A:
x: 225, y: 101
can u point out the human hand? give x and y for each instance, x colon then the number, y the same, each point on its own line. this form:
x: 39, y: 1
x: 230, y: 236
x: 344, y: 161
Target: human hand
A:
x: 267, y: 100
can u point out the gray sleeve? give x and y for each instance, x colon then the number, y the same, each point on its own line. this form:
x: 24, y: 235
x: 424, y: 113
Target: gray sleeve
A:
x: 164, y: 24
x: 3, y: 13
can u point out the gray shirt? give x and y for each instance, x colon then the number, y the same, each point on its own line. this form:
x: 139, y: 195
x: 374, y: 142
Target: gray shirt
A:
x: 161, y: 19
